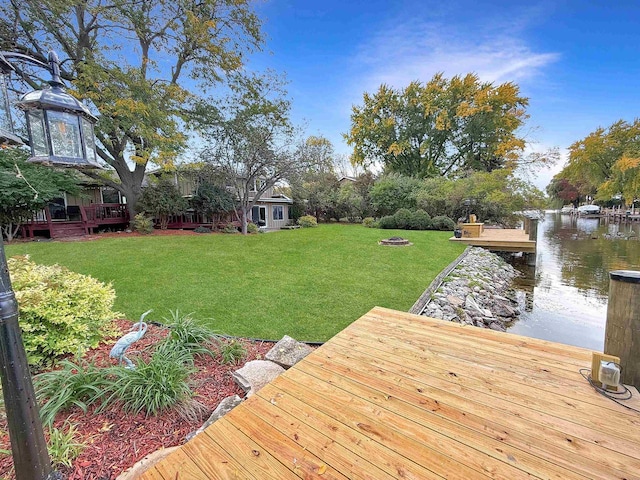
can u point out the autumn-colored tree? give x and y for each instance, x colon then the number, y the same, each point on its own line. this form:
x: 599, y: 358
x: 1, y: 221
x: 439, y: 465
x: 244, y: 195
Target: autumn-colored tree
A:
x: 624, y: 179
x: 440, y: 127
x: 138, y: 62
x: 563, y: 191
x: 592, y: 159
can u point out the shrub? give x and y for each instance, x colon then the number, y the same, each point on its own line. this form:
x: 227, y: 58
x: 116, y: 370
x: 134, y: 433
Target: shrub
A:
x: 252, y: 228
x: 61, y: 312
x: 403, y: 218
x: 142, y: 224
x: 63, y: 447
x: 369, y: 222
x: 442, y: 223
x: 201, y: 229
x: 387, y: 222
x: 162, y: 199
x: 231, y: 352
x: 74, y: 384
x: 230, y: 228
x: 307, y: 221
x: 420, y: 220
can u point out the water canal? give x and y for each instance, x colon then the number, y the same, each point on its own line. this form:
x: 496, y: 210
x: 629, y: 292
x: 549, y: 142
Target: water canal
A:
x: 564, y: 298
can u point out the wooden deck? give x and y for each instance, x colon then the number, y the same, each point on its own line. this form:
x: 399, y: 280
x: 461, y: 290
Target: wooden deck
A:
x: 503, y: 240
x: 396, y: 395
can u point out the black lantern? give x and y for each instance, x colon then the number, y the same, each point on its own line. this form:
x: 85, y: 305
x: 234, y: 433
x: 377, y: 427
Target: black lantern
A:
x: 60, y: 134
x: 60, y: 126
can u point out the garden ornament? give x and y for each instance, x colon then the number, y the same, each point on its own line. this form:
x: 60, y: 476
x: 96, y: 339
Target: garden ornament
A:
x: 125, y: 341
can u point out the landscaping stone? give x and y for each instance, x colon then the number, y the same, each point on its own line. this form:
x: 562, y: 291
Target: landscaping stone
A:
x: 256, y: 374
x: 224, y: 407
x: 477, y: 292
x: 288, y: 351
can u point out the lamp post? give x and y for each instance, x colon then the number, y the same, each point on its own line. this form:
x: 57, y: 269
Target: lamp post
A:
x: 61, y: 134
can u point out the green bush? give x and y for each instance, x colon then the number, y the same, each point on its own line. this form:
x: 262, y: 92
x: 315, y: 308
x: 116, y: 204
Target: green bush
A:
x: 252, y: 228
x: 307, y: 221
x: 442, y: 223
x: 230, y: 228
x: 142, y: 224
x: 369, y: 222
x: 387, y: 222
x: 201, y: 229
x: 420, y: 220
x: 403, y: 218
x: 61, y: 312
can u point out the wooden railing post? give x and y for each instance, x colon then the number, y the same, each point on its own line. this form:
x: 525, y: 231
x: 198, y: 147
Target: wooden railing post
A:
x: 622, y: 333
x: 533, y: 229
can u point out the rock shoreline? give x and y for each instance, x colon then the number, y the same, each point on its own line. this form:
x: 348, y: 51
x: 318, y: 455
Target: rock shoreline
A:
x: 477, y: 292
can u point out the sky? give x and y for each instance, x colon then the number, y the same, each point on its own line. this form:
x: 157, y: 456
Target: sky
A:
x: 578, y: 62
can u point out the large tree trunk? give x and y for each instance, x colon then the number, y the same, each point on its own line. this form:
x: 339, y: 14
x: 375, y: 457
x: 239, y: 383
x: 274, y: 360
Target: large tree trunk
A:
x: 130, y: 184
x: 245, y: 222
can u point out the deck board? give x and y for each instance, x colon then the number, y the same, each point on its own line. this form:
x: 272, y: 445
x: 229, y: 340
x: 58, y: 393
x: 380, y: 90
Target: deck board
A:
x: 396, y: 395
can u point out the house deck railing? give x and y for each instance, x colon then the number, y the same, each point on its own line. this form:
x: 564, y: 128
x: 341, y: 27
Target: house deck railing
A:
x: 77, y: 220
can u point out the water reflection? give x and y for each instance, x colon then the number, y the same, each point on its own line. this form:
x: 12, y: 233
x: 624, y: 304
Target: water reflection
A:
x: 564, y: 298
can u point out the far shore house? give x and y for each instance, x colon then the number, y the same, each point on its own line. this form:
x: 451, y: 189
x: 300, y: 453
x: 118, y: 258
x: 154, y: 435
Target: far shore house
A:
x: 99, y: 207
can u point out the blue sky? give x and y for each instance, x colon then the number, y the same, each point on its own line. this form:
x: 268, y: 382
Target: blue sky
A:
x: 577, y: 61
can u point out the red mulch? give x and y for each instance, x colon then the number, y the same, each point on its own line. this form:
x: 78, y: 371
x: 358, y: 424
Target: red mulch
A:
x: 115, y: 441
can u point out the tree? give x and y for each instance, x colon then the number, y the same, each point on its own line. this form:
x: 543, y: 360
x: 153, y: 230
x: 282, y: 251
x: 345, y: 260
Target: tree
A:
x: 624, y: 180
x: 392, y: 192
x: 162, y: 200
x: 213, y: 201
x: 564, y: 191
x: 431, y: 129
x: 599, y: 163
x: 138, y: 62
x: 252, y: 140
x: 26, y: 188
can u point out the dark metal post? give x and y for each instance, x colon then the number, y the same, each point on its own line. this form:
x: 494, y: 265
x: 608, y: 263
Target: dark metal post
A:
x: 30, y: 455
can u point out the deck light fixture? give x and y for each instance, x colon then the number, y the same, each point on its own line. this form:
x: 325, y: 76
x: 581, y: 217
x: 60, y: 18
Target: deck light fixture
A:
x: 60, y: 132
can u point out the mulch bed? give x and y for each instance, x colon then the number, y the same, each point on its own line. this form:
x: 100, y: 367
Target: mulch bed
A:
x: 115, y: 441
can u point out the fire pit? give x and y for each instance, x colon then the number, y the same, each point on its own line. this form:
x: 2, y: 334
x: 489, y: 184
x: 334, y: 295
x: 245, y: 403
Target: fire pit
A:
x: 395, y: 242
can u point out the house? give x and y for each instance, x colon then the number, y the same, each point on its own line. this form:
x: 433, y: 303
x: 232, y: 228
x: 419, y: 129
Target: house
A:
x: 101, y: 207
x: 272, y: 212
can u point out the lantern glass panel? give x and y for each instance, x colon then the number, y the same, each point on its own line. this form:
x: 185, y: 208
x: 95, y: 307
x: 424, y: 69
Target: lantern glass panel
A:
x: 64, y: 129
x: 87, y: 130
x: 38, y: 136
x: 5, y: 112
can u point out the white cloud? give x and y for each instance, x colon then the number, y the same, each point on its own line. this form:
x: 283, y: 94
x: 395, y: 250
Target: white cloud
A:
x: 417, y: 50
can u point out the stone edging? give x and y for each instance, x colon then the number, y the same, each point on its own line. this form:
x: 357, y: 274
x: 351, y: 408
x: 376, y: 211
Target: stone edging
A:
x: 421, y: 303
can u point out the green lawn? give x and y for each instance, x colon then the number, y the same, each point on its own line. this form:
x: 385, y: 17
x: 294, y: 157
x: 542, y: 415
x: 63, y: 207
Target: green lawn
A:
x: 307, y: 283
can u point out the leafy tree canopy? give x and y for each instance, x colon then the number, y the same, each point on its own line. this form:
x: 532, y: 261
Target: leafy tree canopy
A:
x: 26, y: 188
x: 606, y: 162
x: 162, y: 199
x: 252, y: 140
x: 139, y: 62
x: 440, y: 127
